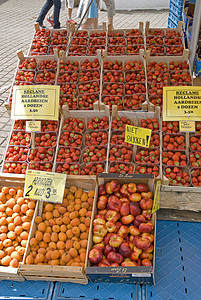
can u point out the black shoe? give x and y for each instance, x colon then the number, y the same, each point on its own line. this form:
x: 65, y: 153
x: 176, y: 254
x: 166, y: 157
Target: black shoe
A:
x: 42, y: 26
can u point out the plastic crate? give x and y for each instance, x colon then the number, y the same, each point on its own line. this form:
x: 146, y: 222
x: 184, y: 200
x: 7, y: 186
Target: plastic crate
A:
x: 178, y: 267
x: 27, y: 290
x: 178, y: 2
x: 173, y: 18
x: 171, y: 24
x: 177, y: 10
x: 99, y: 291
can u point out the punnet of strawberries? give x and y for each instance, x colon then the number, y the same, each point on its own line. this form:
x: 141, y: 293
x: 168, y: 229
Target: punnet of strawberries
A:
x: 121, y: 153
x: 15, y: 167
x: 41, y: 166
x: 118, y: 138
x: 174, y: 142
x: 121, y: 168
x: 196, y: 177
x: 148, y: 156
x: 170, y: 126
x: 174, y: 158
x: 86, y: 101
x: 119, y: 123
x: 147, y: 169
x: 16, y: 153
x: 94, y: 154
x: 46, y: 139
x: 72, y: 139
x: 149, y: 123
x: 195, y: 158
x: 113, y: 100
x: 195, y: 142
x: 66, y: 168
x: 20, y: 138
x: 49, y: 126
x: 68, y: 155
x: 73, y: 124
x: 134, y: 102
x: 92, y: 168
x: 41, y: 154
x: 96, y: 138
x: 97, y: 123
x: 177, y: 176
x: 19, y: 125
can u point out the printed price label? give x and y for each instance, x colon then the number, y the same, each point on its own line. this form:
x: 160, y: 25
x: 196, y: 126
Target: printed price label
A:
x: 187, y: 126
x: 156, y: 204
x: 137, y: 136
x: 35, y: 102
x: 182, y: 103
x: 44, y: 186
x: 33, y: 126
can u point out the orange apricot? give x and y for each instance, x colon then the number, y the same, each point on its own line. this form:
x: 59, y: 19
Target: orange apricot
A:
x: 48, y: 229
x: 56, y: 228
x: 61, y: 245
x: 42, y: 250
x: 21, y: 250
x: 82, y: 219
x: 16, y: 255
x: 59, y: 221
x: 24, y: 208
x: 2, y: 196
x: 54, y: 237
x: 78, y: 193
x: 63, y: 228
x: 42, y: 227
x: 62, y: 210
x: 9, y: 211
x: 9, y: 250
x: 65, y: 202
x: 73, y: 215
x: 75, y: 239
x: 84, y: 236
x: 24, y: 243
x: 66, y: 220
x: 39, y: 257
x: 87, y: 221
x: 3, y: 229
x: 81, y: 250
x: 16, y: 208
x: 11, y: 235
x: 83, y: 212
x: 42, y: 244
x: 70, y: 262
x: 73, y: 252
x: 24, y: 235
x: 46, y: 237
x: 26, y: 225
x: 30, y: 213
x: 52, y: 246
x: 11, y: 226
x: 62, y: 236
x: 18, y: 239
x: 83, y: 257
x: 2, y: 254
x: 3, y: 221
x: 5, y: 190
x: 38, y: 220
x: 83, y: 243
x: 7, y: 243
x: 3, y: 236
x: 1, y: 245
x: 29, y: 259
x: 85, y: 205
x: 69, y: 244
x: 77, y: 259
x: 76, y: 231
x: 55, y: 254
x: 48, y: 215
x: 70, y: 208
x: 48, y: 255
x: 78, y: 201
x: 77, y: 207
x: 75, y: 222
x: 14, y: 263
x: 52, y: 222
x: 31, y: 205
x: 33, y: 242
x: 65, y: 257
x: 69, y: 233
x: 91, y: 194
x: 49, y: 207
x: 56, y: 213
x: 12, y: 191
x: 76, y: 245
x: 17, y: 220
x: 54, y: 262
x: 18, y: 229
x: 5, y: 260
x: 88, y: 214
x: 82, y: 227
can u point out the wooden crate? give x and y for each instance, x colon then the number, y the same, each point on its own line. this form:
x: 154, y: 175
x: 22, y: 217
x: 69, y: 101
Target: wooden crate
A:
x: 59, y: 273
x: 124, y: 59
x: 8, y: 273
x: 86, y: 116
x: 120, y: 274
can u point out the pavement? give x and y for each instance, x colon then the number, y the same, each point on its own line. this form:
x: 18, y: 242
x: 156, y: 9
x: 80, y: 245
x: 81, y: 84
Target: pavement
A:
x: 17, y: 29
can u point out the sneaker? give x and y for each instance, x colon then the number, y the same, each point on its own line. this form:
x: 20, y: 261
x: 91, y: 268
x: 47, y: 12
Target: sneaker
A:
x: 49, y: 20
x: 72, y: 21
x: 42, y: 26
x: 67, y: 21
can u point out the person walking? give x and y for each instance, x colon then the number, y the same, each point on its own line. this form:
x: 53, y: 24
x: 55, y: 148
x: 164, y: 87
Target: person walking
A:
x: 91, y: 18
x: 110, y: 5
x: 70, y: 10
x: 47, y: 6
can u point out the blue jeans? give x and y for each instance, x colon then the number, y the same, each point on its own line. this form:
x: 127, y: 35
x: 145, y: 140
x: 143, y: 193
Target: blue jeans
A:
x: 46, y: 8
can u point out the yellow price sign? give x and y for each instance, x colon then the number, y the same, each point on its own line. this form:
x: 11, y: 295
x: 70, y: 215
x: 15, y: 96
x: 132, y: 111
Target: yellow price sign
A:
x: 33, y: 126
x: 156, y: 204
x: 35, y: 102
x: 187, y: 126
x: 182, y: 103
x: 137, y: 136
x: 44, y: 186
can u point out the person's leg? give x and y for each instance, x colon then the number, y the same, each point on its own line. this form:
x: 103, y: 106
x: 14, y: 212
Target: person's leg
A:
x: 95, y: 23
x: 56, y: 13
x: 110, y: 4
x: 70, y: 13
x: 87, y: 24
x: 44, y: 11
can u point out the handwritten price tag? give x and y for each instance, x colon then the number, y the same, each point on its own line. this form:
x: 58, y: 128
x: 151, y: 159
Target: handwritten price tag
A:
x: 45, y: 186
x: 137, y: 136
x: 33, y: 126
x: 187, y: 126
x: 156, y: 205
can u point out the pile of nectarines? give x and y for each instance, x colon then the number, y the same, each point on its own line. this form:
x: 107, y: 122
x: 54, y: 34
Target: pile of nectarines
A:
x: 15, y: 221
x: 61, y: 235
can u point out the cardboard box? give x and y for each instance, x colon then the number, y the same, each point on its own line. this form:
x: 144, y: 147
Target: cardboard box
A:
x: 138, y: 274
